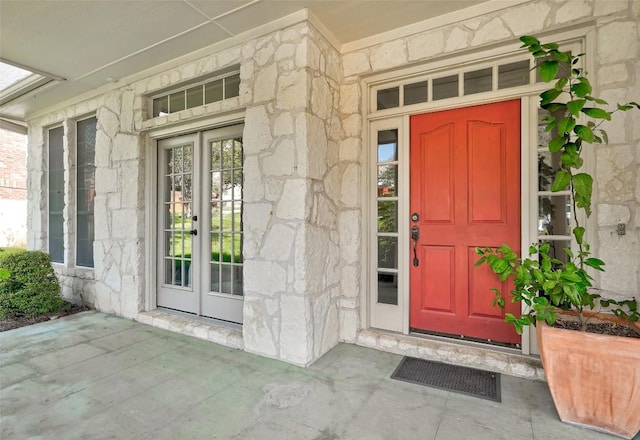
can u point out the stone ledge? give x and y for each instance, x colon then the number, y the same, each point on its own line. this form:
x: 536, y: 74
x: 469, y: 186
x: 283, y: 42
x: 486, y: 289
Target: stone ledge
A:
x: 498, y: 360
x: 212, y: 332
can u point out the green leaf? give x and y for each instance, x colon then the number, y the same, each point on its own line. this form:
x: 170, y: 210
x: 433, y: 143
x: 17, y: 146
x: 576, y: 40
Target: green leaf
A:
x: 578, y: 232
x: 605, y: 136
x: 554, y: 107
x: 548, y: 96
x: 556, y: 144
x: 561, y: 83
x: 528, y: 40
x: 595, y: 263
x: 561, y: 182
x: 549, y: 70
x: 582, y: 187
x: 584, y: 133
x: 551, y: 46
x: 570, y: 158
x: 500, y: 266
x: 597, y: 113
x: 582, y: 88
x: 566, y: 124
x: 624, y: 107
x: 575, y: 106
x: 596, y: 100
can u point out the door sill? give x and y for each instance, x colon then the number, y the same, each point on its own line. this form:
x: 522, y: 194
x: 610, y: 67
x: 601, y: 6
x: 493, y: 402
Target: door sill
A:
x: 212, y: 330
x: 463, y: 338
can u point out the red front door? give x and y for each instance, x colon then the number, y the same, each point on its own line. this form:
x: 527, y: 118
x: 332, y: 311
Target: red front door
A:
x: 465, y: 190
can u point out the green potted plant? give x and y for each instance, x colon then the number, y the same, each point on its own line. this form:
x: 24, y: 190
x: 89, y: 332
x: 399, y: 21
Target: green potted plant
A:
x: 593, y: 378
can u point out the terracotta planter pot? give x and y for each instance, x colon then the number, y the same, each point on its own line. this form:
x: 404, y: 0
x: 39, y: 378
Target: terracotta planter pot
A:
x: 594, y: 379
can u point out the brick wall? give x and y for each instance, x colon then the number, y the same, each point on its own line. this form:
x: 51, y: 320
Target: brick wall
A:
x: 13, y: 165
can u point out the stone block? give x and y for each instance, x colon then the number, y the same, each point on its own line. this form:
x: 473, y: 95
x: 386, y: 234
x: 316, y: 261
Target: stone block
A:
x: 425, y: 45
x: 609, y: 7
x: 107, y: 180
x: 283, y: 125
x: 352, y: 125
x: 264, y: 89
x: 257, y: 130
x: 350, y: 150
x: 349, y: 227
x: 350, y: 281
x: 125, y: 147
x: 526, y: 19
x: 296, y: 331
x: 281, y: 162
x: 389, y: 55
x: 457, y: 39
x: 321, y: 98
x: 256, y: 217
x: 253, y: 187
x: 257, y: 333
x: 611, y: 215
x: 264, y: 277
x: 350, y: 194
x: 278, y: 243
x: 494, y: 30
x: 617, y: 41
x: 612, y: 73
x: 615, y: 174
x: 294, y: 204
x: 349, y: 98
x: 293, y: 90
x: 573, y: 10
x: 355, y: 63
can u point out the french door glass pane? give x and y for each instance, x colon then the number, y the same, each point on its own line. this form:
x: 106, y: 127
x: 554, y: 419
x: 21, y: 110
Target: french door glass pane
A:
x: 226, y: 215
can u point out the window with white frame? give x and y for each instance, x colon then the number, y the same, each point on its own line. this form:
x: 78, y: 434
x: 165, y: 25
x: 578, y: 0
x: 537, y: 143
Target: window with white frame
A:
x: 56, y: 194
x: 85, y: 190
x: 219, y: 88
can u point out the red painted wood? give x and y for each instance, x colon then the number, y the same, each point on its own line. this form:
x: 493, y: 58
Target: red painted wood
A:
x: 465, y: 184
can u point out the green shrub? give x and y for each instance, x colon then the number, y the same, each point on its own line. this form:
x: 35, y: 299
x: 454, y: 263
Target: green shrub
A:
x: 31, y: 288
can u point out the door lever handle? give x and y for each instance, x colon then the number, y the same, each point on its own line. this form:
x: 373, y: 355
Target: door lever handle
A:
x: 193, y: 232
x: 415, y: 235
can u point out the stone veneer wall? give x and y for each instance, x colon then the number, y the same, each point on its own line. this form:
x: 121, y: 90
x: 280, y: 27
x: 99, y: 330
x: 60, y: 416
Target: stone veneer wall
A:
x: 617, y: 169
x: 292, y: 195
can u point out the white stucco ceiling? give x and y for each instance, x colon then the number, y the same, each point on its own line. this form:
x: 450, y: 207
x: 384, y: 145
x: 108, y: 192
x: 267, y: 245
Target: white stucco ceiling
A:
x: 93, y: 42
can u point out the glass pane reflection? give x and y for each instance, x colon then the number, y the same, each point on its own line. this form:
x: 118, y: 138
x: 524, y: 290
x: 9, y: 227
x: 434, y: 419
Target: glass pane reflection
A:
x: 388, y: 252
x: 388, y: 288
x: 554, y: 215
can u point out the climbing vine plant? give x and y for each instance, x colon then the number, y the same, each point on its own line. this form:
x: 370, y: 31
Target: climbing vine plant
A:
x: 576, y: 117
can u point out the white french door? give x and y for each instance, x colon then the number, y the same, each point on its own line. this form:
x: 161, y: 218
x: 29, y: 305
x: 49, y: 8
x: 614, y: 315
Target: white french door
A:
x: 200, y: 223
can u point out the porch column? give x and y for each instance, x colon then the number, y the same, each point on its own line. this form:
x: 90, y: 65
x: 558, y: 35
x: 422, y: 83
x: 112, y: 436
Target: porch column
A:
x: 290, y: 83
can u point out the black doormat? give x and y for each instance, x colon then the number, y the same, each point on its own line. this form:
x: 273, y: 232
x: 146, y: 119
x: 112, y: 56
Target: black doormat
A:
x: 478, y: 383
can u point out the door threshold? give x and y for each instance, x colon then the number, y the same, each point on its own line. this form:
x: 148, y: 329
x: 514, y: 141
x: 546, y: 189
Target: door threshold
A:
x: 453, y: 351
x: 465, y: 340
x: 212, y: 330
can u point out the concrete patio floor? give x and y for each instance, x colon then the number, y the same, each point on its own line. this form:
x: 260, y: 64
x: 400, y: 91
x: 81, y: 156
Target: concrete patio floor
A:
x: 96, y: 376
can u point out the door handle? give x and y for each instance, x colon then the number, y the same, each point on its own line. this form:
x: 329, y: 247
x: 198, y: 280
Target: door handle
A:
x: 415, y: 235
x: 193, y: 232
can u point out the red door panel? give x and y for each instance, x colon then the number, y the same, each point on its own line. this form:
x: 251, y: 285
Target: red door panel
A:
x: 465, y: 186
